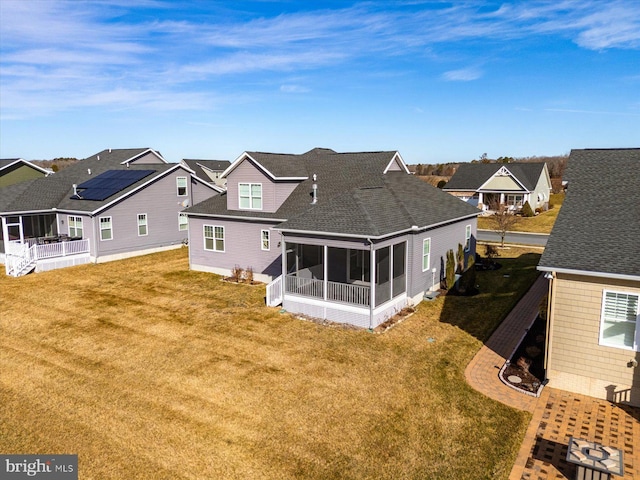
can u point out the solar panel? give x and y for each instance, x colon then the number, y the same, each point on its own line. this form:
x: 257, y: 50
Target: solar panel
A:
x: 109, y: 183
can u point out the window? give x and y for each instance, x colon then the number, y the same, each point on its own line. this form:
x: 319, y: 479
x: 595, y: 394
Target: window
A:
x: 75, y: 226
x: 426, y: 254
x: 250, y: 195
x: 181, y: 183
x: 515, y: 200
x: 467, y: 238
x: 619, y: 320
x: 214, y: 238
x: 266, y: 244
x: 142, y: 224
x: 183, y: 222
x: 106, y: 230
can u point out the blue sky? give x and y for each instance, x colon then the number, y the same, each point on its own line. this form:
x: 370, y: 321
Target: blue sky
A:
x: 438, y: 81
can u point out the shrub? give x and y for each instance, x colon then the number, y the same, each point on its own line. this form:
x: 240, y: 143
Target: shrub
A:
x: 491, y: 252
x: 526, y: 210
x: 248, y: 275
x: 442, y: 183
x: 467, y: 282
x: 450, y: 269
x: 236, y: 273
x: 460, y: 259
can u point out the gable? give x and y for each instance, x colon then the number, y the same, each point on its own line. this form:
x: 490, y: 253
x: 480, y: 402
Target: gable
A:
x: 19, y: 172
x: 502, y: 183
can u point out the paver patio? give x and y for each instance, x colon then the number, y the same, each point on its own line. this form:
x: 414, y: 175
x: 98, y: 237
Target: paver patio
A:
x: 557, y: 415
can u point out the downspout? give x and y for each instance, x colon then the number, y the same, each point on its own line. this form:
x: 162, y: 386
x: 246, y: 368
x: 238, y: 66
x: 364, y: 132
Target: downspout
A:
x: 551, y: 303
x: 372, y: 283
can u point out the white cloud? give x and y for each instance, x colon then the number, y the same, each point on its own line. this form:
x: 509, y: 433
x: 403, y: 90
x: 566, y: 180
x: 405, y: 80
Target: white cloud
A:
x: 293, y: 89
x: 462, y: 75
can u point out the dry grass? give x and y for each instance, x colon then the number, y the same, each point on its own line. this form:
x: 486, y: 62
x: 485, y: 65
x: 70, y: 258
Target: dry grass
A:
x: 150, y: 371
x: 542, y: 223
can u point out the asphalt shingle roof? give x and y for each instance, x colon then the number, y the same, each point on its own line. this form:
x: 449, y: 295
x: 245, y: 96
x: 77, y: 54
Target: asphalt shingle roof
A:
x: 55, y: 191
x: 598, y: 227
x: 471, y: 176
x: 215, y: 165
x: 354, y: 197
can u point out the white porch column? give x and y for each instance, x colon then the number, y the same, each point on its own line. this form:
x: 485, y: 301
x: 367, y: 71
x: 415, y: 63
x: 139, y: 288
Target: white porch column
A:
x: 325, y: 266
x: 372, y: 282
x: 480, y: 198
x: 283, y: 255
x: 502, y: 199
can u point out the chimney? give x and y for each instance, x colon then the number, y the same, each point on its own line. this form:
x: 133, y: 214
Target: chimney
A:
x: 315, y: 190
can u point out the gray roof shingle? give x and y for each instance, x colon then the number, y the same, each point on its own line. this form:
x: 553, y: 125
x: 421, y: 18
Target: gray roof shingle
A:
x: 471, y: 176
x: 214, y: 165
x: 55, y: 191
x: 598, y: 227
x: 354, y: 197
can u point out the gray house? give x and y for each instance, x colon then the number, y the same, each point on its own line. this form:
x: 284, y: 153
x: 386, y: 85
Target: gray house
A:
x: 487, y: 184
x: 115, y: 204
x: 349, y: 237
x: 16, y: 170
x: 208, y: 170
x: 592, y: 261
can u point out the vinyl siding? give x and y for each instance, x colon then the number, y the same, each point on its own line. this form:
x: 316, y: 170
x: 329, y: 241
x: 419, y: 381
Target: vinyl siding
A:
x: 502, y: 183
x: 160, y: 202
x: 200, y: 192
x: 576, y: 360
x: 443, y: 239
x: 242, y: 243
x: 543, y: 186
x: 273, y: 193
x: 17, y: 174
x: 145, y: 159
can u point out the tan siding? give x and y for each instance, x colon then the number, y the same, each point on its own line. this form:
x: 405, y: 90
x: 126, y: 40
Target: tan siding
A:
x: 577, y: 362
x: 502, y: 183
x: 19, y: 174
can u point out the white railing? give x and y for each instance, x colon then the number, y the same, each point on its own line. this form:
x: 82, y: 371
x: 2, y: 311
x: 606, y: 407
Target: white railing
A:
x: 62, y: 249
x: 336, y: 292
x: 274, y: 292
x: 308, y: 287
x: 348, y: 293
x: 20, y: 255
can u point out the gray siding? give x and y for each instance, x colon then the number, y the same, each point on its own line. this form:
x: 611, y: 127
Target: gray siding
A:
x: 145, y: 159
x: 242, y: 247
x: 442, y: 239
x: 161, y: 203
x: 273, y: 193
x: 200, y: 192
x: 87, y: 228
x: 543, y: 186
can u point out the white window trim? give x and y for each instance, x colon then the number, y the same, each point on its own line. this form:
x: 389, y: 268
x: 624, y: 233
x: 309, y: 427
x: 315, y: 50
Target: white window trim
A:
x: 262, y: 240
x: 467, y: 238
x: 186, y: 186
x: 250, y: 196
x: 75, y: 227
x: 428, y: 255
x: 146, y: 224
x: 204, y: 238
x: 186, y: 224
x: 636, y: 336
x: 110, y: 228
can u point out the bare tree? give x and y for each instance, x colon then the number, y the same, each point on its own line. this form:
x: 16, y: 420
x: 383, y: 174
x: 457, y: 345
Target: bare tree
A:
x: 503, y: 219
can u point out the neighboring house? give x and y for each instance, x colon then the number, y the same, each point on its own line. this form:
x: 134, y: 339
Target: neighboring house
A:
x: 16, y: 170
x: 114, y: 204
x: 592, y: 259
x: 208, y: 170
x: 349, y: 237
x: 486, y: 185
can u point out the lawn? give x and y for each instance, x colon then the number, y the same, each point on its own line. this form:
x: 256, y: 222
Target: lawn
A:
x: 542, y: 223
x: 149, y: 371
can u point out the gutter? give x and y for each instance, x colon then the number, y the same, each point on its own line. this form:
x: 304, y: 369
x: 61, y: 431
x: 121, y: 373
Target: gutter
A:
x: 570, y: 271
x: 378, y: 237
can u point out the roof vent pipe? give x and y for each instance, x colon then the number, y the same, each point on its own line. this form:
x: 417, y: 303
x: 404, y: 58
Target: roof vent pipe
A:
x: 98, y: 157
x: 88, y: 171
x: 75, y: 190
x: 109, y: 150
x: 315, y: 190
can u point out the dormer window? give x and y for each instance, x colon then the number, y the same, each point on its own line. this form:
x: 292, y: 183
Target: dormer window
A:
x: 250, y: 196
